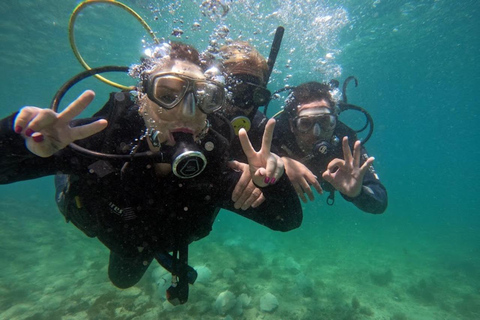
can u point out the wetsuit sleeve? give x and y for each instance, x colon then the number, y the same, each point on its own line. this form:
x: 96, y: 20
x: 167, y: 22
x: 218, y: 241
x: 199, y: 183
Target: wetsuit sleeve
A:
x: 281, y: 209
x: 373, y: 197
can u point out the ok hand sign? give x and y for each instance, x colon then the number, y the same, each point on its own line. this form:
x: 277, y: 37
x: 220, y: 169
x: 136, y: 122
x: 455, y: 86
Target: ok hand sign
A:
x: 346, y: 175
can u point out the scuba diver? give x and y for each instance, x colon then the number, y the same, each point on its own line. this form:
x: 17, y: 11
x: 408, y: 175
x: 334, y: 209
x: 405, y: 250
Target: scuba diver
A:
x: 155, y: 173
x: 246, y: 76
x: 314, y: 143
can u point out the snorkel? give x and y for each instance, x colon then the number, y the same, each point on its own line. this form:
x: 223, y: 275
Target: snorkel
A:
x: 272, y: 57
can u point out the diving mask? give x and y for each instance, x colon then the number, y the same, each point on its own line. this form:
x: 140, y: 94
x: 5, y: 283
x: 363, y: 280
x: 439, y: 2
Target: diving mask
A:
x: 320, y: 119
x: 168, y: 89
x: 325, y: 122
x: 245, y: 93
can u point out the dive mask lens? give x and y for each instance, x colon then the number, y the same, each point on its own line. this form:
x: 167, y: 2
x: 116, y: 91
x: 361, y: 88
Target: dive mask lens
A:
x: 304, y: 124
x: 326, y: 122
x: 210, y: 96
x: 246, y: 93
x: 239, y: 94
x: 261, y: 96
x: 167, y: 90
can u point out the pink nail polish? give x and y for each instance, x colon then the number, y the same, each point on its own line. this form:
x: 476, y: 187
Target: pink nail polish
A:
x: 273, y: 181
x: 29, y: 132
x: 18, y: 129
x: 267, y: 180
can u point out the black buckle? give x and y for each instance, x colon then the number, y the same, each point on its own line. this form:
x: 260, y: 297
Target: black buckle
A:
x: 182, y: 275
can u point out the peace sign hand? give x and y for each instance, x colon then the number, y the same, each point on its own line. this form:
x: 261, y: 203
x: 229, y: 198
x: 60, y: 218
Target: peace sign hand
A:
x: 265, y: 167
x: 46, y: 132
x: 346, y: 175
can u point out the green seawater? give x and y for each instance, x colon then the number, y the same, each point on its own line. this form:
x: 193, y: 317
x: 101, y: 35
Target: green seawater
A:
x: 417, y: 66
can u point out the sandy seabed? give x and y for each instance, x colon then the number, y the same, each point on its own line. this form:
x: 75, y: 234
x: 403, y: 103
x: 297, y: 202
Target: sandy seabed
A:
x: 50, y: 270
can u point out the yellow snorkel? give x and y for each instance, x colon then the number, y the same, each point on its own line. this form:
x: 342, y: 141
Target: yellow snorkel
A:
x: 71, y: 35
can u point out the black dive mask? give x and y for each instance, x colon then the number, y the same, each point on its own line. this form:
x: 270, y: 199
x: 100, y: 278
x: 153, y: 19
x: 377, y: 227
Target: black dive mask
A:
x: 245, y: 94
x: 186, y: 157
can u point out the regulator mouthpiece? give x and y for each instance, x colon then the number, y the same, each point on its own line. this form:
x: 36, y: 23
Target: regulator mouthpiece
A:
x: 187, y: 161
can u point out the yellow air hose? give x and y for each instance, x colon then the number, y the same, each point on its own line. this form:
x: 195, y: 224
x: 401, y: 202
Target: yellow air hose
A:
x: 71, y: 35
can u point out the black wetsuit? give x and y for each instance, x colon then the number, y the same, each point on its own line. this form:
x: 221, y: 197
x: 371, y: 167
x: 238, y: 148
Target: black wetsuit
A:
x: 126, y: 205
x: 258, y: 121
x: 373, y: 197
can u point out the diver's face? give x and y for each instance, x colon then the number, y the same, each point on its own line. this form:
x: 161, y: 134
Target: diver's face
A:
x: 184, y: 115
x: 243, y: 91
x: 315, y: 121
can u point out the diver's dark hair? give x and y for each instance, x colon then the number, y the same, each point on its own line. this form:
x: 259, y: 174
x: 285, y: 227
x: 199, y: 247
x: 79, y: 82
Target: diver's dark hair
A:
x: 154, y: 56
x: 183, y: 51
x: 306, y: 93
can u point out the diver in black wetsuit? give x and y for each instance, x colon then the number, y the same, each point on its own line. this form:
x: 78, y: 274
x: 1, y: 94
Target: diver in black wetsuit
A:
x: 125, y: 191
x: 245, y: 76
x: 314, y: 144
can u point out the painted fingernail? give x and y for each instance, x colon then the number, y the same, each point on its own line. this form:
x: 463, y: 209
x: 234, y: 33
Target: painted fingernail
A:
x: 267, y: 180
x: 38, y: 138
x: 29, y: 132
x: 18, y: 129
x: 273, y: 181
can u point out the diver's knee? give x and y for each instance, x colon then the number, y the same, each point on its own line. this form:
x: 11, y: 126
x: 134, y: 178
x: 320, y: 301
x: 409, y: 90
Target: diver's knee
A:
x: 125, y: 272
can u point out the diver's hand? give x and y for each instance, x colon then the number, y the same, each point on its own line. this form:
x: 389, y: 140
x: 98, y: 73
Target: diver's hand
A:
x: 46, y: 132
x: 265, y: 167
x: 346, y: 175
x: 245, y: 194
x: 301, y: 178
